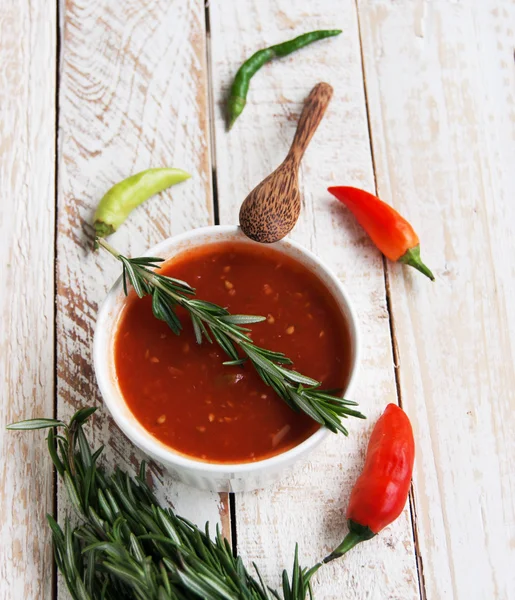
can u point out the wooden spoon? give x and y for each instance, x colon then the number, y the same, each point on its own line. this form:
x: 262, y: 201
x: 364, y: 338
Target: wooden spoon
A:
x: 272, y: 208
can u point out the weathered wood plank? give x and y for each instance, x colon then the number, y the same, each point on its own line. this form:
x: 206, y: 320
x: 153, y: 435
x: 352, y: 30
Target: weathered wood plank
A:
x: 307, y: 506
x: 27, y: 199
x: 133, y: 95
x: 441, y: 84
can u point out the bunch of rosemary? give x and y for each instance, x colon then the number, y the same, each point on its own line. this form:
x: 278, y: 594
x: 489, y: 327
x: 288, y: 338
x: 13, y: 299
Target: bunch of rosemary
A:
x: 128, y: 547
x: 211, y: 321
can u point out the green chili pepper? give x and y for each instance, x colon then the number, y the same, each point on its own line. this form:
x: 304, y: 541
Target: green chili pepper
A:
x: 240, y: 85
x: 126, y: 195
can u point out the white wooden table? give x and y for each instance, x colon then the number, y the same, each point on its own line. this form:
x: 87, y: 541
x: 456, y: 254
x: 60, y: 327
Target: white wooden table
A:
x: 423, y: 112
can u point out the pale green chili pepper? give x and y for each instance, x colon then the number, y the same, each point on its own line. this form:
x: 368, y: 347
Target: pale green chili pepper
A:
x: 126, y: 195
x: 240, y: 86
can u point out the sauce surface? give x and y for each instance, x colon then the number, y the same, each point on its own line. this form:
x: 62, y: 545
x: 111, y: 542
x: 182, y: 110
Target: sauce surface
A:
x: 183, y: 394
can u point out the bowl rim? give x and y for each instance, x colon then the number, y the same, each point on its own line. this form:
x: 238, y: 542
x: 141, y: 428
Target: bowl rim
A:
x: 133, y: 429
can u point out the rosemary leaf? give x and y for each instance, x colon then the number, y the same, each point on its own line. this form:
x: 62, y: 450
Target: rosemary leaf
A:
x: 297, y: 377
x: 241, y: 319
x: 148, y: 260
x: 53, y: 452
x: 133, y: 278
x: 299, y: 401
x: 164, y: 311
x: 35, y: 424
x: 225, y: 343
x: 197, y: 328
x: 83, y: 415
x: 72, y: 492
x: 235, y: 363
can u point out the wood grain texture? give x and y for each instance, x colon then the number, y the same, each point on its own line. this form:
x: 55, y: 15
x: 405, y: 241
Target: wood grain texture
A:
x: 441, y: 84
x: 132, y: 96
x: 27, y: 198
x: 307, y: 505
x: 272, y: 208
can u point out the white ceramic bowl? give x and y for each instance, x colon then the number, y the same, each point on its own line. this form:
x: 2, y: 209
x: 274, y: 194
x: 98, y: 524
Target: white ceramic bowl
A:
x: 216, y: 477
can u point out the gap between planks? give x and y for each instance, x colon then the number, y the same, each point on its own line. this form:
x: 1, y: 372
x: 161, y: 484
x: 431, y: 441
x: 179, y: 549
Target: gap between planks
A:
x: 59, y: 11
x: 216, y: 217
x: 211, y: 115
x: 391, y: 320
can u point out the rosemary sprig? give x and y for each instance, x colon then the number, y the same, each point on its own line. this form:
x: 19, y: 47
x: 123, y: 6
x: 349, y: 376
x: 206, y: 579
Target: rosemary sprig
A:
x: 211, y: 321
x: 128, y: 547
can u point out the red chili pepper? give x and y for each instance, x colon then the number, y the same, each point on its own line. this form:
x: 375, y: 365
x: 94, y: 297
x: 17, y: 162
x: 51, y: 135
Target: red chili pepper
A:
x: 390, y: 232
x: 381, y: 491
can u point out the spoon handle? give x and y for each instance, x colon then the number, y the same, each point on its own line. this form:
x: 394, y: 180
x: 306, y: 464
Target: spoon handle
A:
x: 312, y: 113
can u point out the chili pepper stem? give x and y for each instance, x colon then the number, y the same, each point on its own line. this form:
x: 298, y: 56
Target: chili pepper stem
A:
x: 351, y: 540
x: 103, y: 229
x: 412, y: 258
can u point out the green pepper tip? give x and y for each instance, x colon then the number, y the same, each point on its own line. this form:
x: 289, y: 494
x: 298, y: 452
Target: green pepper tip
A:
x: 236, y: 106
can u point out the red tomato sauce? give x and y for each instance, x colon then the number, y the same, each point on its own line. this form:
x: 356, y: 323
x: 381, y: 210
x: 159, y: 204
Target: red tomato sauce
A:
x: 183, y: 394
